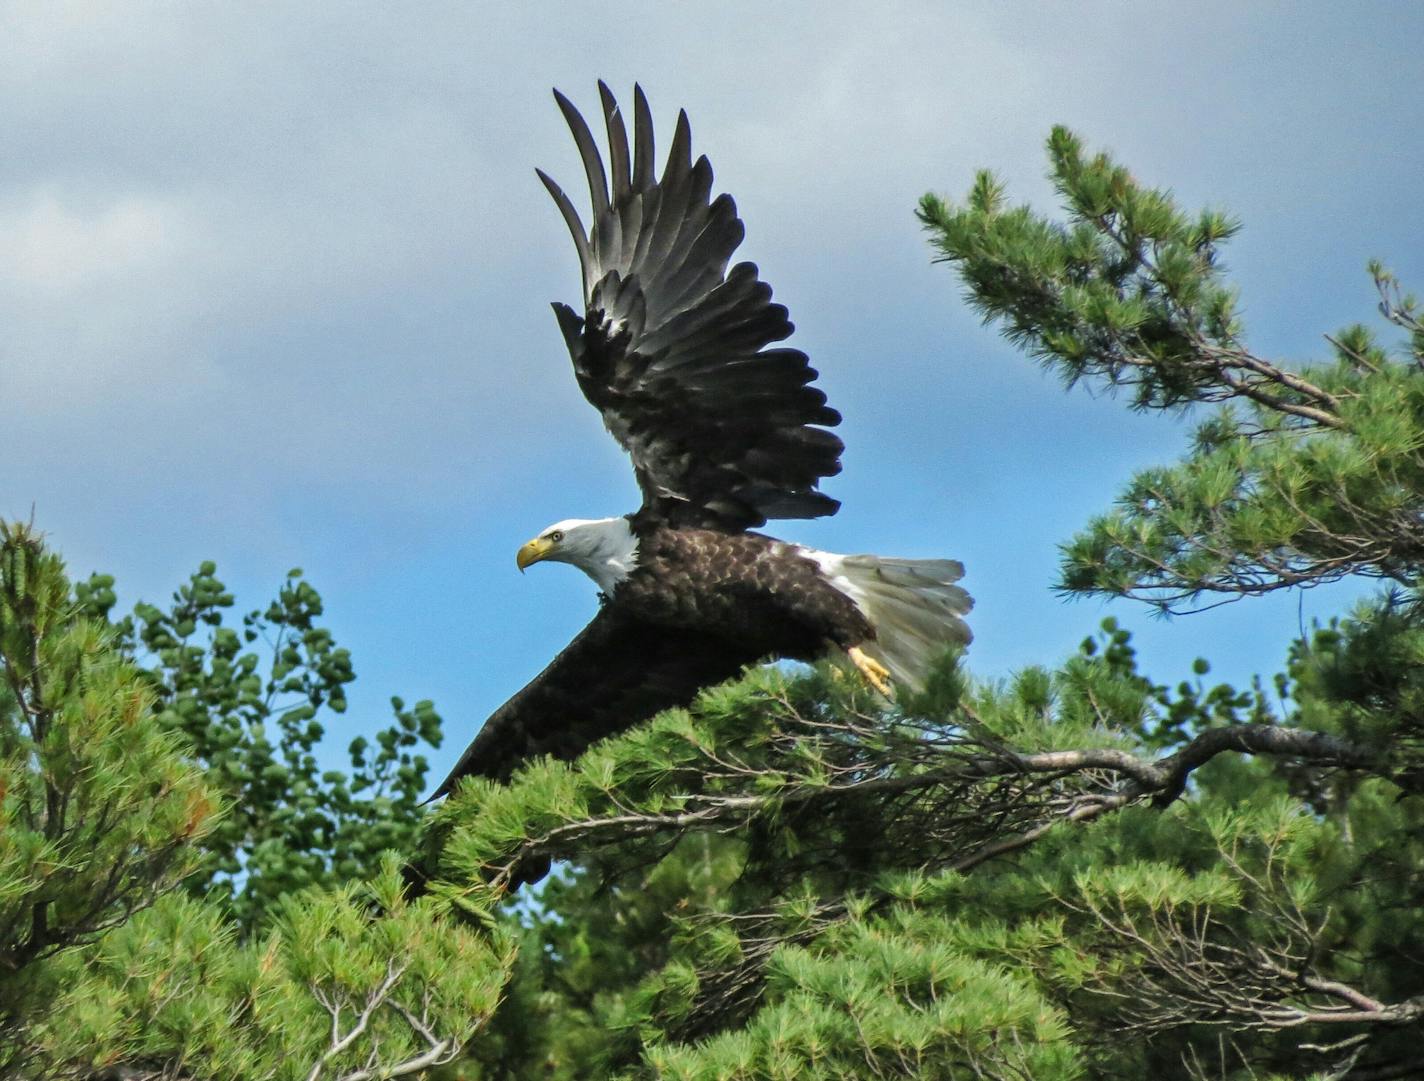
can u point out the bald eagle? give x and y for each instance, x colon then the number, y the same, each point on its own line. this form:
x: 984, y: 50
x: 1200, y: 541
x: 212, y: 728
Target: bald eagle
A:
x: 725, y: 432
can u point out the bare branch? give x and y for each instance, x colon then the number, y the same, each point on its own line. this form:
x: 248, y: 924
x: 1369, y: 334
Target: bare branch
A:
x: 436, y: 1055
x: 374, y: 1001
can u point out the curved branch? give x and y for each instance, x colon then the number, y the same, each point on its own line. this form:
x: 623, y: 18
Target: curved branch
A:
x: 1116, y: 778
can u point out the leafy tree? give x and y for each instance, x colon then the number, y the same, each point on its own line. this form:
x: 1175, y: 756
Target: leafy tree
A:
x: 109, y: 969
x: 252, y: 702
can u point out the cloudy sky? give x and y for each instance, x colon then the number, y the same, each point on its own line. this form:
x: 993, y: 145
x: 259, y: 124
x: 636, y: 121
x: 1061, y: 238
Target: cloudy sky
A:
x: 274, y: 284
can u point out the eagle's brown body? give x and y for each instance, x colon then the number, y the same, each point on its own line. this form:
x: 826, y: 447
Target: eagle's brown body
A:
x: 760, y: 594
x: 675, y: 347
x: 700, y: 606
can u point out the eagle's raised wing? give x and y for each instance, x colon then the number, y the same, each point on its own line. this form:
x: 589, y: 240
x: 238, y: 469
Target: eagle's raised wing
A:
x: 615, y: 673
x: 672, y: 347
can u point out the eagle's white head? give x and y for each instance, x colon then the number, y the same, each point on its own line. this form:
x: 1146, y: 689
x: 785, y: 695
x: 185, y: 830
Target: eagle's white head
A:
x: 606, y: 549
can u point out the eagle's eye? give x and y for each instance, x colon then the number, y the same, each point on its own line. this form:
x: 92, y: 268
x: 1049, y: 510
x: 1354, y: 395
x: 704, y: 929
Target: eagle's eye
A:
x: 556, y: 536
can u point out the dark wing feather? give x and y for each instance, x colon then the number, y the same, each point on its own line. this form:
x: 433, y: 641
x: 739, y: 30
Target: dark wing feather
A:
x: 672, y: 347
x: 614, y: 674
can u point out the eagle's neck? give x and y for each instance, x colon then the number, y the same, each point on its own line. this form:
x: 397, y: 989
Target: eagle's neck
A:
x: 606, y: 550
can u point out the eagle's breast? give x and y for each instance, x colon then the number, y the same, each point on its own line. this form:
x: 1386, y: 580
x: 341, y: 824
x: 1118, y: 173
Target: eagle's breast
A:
x: 746, y: 587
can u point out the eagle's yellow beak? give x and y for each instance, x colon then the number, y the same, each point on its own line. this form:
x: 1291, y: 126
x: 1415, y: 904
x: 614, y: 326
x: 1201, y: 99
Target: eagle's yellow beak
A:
x: 532, y: 552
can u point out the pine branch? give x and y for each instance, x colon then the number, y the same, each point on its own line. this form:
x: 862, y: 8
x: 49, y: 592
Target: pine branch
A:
x: 959, y: 769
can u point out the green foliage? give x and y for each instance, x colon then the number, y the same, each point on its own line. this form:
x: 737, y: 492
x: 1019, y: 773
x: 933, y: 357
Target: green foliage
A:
x: 253, y: 702
x: 176, y: 986
x: 587, y: 942
x: 813, y: 887
x: 1127, y: 290
x: 886, y: 999
x: 1186, y: 708
x: 107, y: 965
x: 1299, y: 477
x: 99, y: 808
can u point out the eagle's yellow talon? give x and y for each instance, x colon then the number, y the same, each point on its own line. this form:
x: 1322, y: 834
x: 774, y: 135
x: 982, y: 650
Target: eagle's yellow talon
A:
x: 875, y: 673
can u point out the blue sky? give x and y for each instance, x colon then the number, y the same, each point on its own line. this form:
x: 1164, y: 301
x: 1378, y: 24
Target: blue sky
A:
x: 274, y: 286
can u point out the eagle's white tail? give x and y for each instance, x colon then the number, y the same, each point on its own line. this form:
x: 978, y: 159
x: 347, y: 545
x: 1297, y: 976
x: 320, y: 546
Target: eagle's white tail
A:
x: 913, y: 604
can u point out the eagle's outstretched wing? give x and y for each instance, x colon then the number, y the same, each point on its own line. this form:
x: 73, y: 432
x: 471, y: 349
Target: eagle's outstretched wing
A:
x: 672, y: 347
x: 615, y: 673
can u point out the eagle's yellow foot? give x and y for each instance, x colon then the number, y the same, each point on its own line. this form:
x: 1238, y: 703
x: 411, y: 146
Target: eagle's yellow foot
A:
x: 875, y: 673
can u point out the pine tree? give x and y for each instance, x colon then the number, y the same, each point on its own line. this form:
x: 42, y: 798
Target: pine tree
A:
x: 98, y: 807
